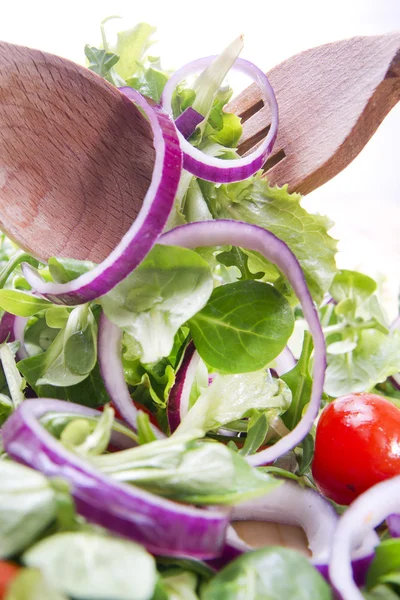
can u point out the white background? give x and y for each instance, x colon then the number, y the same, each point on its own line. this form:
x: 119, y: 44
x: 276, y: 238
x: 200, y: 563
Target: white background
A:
x: 364, y: 200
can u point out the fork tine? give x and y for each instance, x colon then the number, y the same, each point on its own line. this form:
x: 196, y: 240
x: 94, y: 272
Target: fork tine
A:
x: 331, y: 100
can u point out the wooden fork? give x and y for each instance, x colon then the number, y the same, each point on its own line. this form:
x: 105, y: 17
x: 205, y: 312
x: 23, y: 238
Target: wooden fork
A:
x: 331, y: 101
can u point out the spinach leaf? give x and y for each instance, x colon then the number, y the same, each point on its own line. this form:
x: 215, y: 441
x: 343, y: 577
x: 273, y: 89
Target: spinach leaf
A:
x: 152, y: 303
x: 243, y: 327
x: 63, y: 560
x: 27, y: 507
x: 268, y: 574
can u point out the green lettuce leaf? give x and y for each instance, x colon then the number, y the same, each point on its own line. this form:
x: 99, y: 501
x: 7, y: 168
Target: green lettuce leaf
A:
x: 27, y: 507
x: 63, y: 560
x: 169, y: 287
x: 376, y: 357
x: 273, y: 208
x: 231, y: 397
x: 268, y: 574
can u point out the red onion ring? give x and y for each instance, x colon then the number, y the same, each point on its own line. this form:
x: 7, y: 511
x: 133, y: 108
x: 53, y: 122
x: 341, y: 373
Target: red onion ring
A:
x: 285, y: 361
x: 291, y: 504
x: 364, y: 514
x: 112, y: 373
x: 235, y: 233
x: 143, y: 233
x: 216, y: 169
x: 178, y: 401
x: 162, y: 526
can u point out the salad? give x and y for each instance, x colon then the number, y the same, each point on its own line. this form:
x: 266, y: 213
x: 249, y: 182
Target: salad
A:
x: 216, y: 369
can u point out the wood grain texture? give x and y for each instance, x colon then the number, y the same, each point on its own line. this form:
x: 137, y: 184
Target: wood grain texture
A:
x: 76, y: 157
x: 331, y: 101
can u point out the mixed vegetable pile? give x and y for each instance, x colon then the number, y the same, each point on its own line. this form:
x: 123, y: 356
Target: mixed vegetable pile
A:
x: 150, y: 402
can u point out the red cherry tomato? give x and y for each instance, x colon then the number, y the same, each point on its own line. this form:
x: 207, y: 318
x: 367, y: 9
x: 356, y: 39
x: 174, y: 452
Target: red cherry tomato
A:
x: 357, y: 445
x: 8, y: 571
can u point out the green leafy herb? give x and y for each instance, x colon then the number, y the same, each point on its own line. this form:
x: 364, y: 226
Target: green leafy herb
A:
x: 101, y: 61
x: 270, y: 574
x: 237, y: 258
x: 243, y: 327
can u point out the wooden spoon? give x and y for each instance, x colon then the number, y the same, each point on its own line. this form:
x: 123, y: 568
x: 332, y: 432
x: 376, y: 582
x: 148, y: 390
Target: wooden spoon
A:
x: 331, y: 101
x: 76, y: 157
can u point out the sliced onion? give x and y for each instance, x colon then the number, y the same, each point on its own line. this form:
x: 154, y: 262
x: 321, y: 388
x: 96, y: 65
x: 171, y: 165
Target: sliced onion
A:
x: 364, y: 514
x: 7, y: 328
x: 285, y: 361
x: 112, y: 372
x: 217, y: 169
x: 143, y: 233
x: 234, y: 547
x: 393, y: 523
x: 19, y: 336
x: 252, y: 237
x: 187, y: 122
x: 178, y: 401
x: 162, y: 526
x: 291, y: 504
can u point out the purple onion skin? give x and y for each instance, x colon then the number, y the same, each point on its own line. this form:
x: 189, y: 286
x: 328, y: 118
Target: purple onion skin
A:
x: 187, y: 122
x: 162, y: 526
x: 7, y: 328
x: 393, y: 523
x: 174, y: 400
x: 360, y: 568
x: 228, y: 554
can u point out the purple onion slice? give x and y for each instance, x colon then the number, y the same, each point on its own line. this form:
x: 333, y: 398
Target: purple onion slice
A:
x: 7, y: 327
x: 252, y: 237
x: 162, y: 526
x: 291, y: 504
x: 187, y: 122
x: 285, y: 361
x: 216, y: 169
x: 178, y: 401
x: 364, y: 514
x: 143, y: 233
x: 112, y: 372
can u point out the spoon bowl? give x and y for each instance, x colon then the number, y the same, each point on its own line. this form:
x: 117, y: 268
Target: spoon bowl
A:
x: 76, y: 157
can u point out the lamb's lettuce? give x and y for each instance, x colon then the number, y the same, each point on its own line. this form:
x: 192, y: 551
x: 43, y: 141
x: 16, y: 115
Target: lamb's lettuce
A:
x: 169, y: 287
x: 272, y: 573
x: 188, y: 470
x: 63, y: 559
x: 243, y: 327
